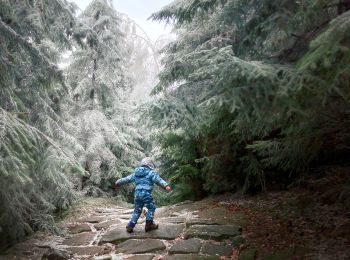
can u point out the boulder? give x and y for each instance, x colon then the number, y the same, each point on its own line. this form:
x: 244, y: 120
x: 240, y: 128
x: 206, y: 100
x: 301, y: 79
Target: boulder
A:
x: 87, y: 250
x: 192, y: 245
x: 200, y: 221
x: 173, y: 220
x: 165, y: 231
x: 216, y: 249
x: 222, y: 215
x: 136, y: 246
x: 177, y: 214
x: 80, y: 239
x: 190, y: 257
x: 127, y: 211
x: 55, y: 254
x: 107, y: 224
x: 109, y: 210
x: 79, y: 228
x: 216, y: 232
x: 128, y: 216
x: 94, y: 219
x: 103, y: 257
x: 139, y: 257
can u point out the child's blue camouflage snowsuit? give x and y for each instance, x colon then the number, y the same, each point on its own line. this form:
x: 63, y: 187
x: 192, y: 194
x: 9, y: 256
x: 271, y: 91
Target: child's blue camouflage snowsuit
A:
x: 144, y: 178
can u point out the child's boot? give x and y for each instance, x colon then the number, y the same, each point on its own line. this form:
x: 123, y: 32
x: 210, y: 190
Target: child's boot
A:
x: 150, y: 225
x: 129, y: 229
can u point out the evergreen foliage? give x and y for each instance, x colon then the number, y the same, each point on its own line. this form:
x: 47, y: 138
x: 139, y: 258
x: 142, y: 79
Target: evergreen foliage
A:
x: 252, y: 91
x: 59, y: 129
x: 99, y: 114
x: 34, y: 169
x: 141, y: 59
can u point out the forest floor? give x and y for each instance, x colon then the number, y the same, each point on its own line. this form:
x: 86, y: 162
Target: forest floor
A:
x: 309, y: 222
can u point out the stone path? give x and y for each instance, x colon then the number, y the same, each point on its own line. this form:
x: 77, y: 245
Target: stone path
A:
x: 186, y: 231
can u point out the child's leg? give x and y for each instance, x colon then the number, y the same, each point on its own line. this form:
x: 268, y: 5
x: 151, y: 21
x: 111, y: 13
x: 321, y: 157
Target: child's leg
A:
x: 150, y: 225
x: 150, y: 206
x: 137, y: 211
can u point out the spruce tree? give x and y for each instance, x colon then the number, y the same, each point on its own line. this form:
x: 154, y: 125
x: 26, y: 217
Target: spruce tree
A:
x: 34, y: 168
x: 253, y: 88
x: 99, y: 114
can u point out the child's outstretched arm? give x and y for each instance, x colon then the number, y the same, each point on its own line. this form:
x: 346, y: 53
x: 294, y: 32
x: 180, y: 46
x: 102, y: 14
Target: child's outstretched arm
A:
x: 159, y: 181
x: 125, y: 180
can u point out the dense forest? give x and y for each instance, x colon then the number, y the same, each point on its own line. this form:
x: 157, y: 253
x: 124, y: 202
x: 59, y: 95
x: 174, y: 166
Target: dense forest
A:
x: 252, y: 92
x: 250, y: 95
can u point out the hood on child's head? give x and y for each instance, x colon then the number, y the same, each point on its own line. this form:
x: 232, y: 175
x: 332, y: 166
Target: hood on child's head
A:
x: 141, y: 171
x: 148, y: 162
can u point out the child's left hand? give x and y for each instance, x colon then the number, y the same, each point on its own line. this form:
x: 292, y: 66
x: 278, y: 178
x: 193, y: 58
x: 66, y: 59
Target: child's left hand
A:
x: 167, y: 188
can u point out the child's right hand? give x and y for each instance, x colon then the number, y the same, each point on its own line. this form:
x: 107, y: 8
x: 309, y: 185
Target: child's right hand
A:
x: 167, y: 188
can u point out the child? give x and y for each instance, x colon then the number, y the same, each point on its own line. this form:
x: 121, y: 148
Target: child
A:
x: 144, y: 177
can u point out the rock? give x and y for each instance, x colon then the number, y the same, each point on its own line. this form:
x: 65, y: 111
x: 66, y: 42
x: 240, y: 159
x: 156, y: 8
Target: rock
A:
x: 237, y: 241
x: 192, y: 245
x: 106, y: 224
x: 127, y: 211
x: 222, y: 215
x: 249, y: 254
x: 87, y: 250
x: 216, y: 249
x: 173, y: 220
x: 80, y: 239
x: 190, y: 257
x: 200, y: 221
x: 214, y: 212
x: 55, y: 254
x: 165, y: 231
x: 79, y: 228
x: 139, y: 257
x: 216, y: 232
x: 136, y: 246
x: 94, y: 219
x: 109, y: 210
x: 103, y: 257
x: 44, y: 244
x: 125, y: 216
x: 176, y: 214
